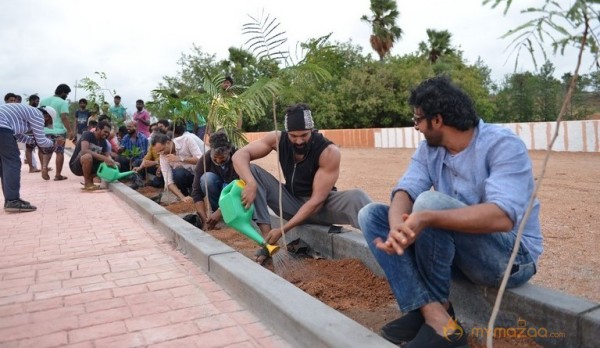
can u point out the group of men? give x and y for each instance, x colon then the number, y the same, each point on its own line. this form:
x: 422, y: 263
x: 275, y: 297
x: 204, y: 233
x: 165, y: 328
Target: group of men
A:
x: 457, y: 207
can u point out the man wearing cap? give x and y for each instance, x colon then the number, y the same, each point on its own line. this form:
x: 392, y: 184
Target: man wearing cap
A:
x: 311, y: 166
x: 15, y: 121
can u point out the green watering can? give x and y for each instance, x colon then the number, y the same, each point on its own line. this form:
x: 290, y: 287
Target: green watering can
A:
x: 111, y: 174
x: 238, y: 217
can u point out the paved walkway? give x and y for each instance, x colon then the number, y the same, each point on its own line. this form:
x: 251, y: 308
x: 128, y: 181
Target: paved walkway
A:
x: 85, y: 270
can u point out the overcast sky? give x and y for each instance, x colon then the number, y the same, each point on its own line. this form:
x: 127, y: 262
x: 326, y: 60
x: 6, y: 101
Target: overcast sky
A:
x: 136, y: 43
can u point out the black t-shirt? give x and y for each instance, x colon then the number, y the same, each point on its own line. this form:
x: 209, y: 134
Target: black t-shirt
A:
x: 99, y: 146
x: 299, y: 176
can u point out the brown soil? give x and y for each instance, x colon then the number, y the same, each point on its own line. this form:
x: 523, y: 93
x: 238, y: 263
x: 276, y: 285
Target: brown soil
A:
x: 570, y: 195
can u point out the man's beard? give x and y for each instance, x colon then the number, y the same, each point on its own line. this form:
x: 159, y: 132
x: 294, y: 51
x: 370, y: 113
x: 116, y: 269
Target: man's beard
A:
x: 302, y: 150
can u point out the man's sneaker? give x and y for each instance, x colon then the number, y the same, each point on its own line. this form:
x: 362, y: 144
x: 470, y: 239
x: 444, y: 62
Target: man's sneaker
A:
x: 18, y: 206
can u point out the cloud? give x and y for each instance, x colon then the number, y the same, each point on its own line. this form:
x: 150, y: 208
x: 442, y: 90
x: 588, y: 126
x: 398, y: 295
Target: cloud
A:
x: 136, y: 43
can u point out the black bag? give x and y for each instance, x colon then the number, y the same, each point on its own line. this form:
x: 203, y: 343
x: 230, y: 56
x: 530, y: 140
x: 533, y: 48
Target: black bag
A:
x: 193, y: 219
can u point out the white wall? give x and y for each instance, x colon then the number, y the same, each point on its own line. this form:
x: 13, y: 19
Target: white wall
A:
x: 573, y: 136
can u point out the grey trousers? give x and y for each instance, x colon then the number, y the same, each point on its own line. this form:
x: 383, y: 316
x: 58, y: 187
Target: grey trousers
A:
x: 341, y: 207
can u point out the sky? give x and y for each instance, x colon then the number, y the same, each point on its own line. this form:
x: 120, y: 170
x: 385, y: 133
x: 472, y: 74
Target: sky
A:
x: 136, y: 43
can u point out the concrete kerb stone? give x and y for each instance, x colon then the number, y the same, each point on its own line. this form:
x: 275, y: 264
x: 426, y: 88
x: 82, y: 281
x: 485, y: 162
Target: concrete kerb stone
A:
x: 198, y: 245
x: 297, y: 317
x: 141, y: 204
x: 554, y: 311
x: 290, y: 312
x: 590, y: 329
x: 322, y: 242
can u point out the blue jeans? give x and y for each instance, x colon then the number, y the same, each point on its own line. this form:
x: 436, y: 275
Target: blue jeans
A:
x: 422, y: 275
x: 215, y: 186
x: 184, y: 179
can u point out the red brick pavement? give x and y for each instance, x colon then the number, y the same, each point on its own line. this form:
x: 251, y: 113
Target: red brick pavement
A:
x: 86, y: 270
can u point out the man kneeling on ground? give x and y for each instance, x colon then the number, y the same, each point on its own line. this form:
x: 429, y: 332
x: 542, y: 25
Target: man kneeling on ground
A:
x: 90, y: 151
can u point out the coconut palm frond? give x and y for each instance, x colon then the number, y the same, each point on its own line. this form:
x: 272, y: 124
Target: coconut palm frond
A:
x: 307, y: 72
x: 259, y: 94
x: 266, y: 38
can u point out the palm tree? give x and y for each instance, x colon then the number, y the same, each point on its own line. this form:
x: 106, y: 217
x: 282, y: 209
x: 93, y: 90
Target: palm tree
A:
x: 383, y: 22
x: 438, y: 44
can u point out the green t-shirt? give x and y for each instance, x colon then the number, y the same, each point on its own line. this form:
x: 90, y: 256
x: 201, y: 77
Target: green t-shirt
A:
x: 62, y: 107
x: 118, y: 111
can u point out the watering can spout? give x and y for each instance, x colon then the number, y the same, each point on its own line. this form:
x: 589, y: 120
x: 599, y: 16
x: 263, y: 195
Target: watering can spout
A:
x: 124, y: 175
x: 237, y: 216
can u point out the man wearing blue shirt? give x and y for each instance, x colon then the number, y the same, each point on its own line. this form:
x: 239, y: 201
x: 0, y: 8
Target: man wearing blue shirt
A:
x: 459, y: 205
x: 133, y: 139
x: 16, y: 120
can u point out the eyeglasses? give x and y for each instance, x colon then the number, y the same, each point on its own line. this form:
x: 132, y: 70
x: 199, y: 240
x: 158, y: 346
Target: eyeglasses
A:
x: 417, y: 118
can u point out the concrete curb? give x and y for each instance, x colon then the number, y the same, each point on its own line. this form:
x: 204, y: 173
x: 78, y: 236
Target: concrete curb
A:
x: 291, y: 313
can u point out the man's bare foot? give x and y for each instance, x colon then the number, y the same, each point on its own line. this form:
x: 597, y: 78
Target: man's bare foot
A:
x: 45, y: 175
x: 34, y: 170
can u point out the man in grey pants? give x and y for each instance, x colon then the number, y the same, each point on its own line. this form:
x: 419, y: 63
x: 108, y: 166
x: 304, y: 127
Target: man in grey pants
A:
x: 311, y: 166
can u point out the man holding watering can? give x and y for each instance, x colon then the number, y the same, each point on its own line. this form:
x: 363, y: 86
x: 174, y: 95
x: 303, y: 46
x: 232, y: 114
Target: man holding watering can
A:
x: 311, y: 166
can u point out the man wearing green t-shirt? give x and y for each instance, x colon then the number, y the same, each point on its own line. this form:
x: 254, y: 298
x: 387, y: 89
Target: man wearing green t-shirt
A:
x: 62, y: 129
x: 118, y: 110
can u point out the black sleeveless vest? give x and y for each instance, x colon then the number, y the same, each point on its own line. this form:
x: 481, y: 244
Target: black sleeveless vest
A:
x: 299, y: 176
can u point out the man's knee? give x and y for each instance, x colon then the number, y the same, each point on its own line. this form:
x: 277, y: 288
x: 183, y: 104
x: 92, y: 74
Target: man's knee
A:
x: 370, y: 214
x: 86, y: 159
x: 359, y: 198
x: 256, y: 170
x: 434, y: 200
x: 209, y: 178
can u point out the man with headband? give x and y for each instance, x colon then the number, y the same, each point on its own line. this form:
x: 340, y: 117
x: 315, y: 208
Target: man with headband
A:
x: 311, y: 166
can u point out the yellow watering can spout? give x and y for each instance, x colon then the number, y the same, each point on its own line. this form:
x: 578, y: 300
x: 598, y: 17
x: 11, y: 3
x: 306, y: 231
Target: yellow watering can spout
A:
x: 111, y: 174
x: 238, y: 217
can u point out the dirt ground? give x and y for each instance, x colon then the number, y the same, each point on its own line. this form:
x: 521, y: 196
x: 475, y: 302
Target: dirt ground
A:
x: 569, y: 196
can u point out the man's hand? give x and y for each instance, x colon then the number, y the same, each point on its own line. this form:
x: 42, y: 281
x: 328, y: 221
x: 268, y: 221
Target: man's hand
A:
x: 71, y: 135
x: 403, y: 235
x: 249, y: 195
x: 109, y: 162
x: 172, y: 158
x: 273, y: 236
x: 214, y: 218
x: 158, y: 172
x: 137, y: 169
x: 187, y: 199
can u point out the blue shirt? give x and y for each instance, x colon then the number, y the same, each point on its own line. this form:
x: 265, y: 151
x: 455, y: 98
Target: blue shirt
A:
x: 494, y: 168
x: 24, y: 118
x: 141, y: 142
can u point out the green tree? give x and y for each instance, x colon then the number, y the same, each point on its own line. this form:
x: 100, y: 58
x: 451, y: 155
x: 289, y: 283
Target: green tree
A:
x: 385, y: 32
x: 548, y: 94
x: 438, y: 44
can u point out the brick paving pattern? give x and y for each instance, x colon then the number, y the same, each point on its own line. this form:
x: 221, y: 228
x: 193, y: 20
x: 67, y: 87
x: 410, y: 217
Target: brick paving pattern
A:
x: 86, y: 270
